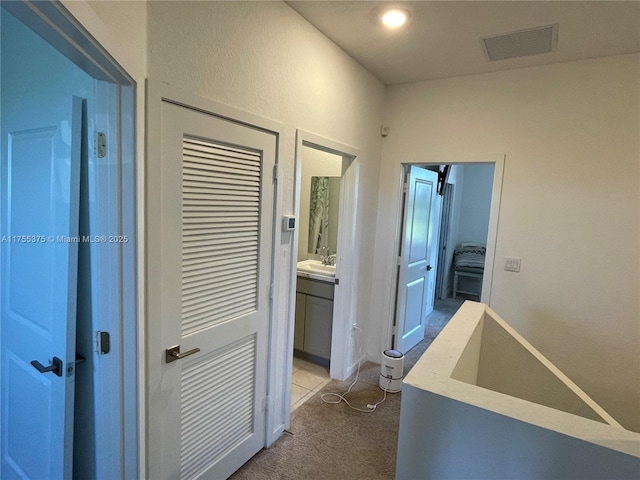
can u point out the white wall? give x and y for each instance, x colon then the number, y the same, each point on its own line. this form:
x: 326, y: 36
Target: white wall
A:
x: 470, y: 208
x: 570, y: 207
x: 446, y: 439
x: 315, y: 163
x: 475, y: 204
x: 263, y: 58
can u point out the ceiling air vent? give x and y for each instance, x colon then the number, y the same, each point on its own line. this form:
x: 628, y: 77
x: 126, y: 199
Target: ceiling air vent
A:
x: 522, y: 43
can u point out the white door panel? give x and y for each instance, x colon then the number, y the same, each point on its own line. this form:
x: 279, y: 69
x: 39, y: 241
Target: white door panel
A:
x: 40, y: 207
x: 415, y: 293
x: 216, y: 243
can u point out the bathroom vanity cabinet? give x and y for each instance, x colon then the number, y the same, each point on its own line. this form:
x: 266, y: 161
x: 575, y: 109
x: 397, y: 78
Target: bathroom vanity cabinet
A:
x: 314, y: 319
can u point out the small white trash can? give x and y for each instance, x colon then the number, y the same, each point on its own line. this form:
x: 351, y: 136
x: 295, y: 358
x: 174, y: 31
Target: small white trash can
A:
x: 391, y: 371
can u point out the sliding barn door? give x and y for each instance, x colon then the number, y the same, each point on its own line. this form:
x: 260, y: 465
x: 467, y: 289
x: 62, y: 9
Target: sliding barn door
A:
x: 208, y: 362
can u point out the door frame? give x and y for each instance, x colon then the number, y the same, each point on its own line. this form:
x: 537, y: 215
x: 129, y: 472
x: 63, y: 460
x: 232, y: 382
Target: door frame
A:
x: 498, y: 160
x: 57, y: 26
x: 340, y: 366
x: 442, y: 279
x: 157, y: 92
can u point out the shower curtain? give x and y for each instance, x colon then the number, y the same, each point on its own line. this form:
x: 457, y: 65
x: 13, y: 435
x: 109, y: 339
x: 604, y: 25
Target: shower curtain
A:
x: 319, y: 215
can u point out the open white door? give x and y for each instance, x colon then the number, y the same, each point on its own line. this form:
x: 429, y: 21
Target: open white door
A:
x: 416, y: 278
x: 207, y: 359
x: 38, y: 243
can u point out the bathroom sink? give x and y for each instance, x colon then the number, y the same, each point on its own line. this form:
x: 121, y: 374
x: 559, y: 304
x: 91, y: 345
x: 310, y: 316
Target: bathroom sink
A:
x: 316, y: 267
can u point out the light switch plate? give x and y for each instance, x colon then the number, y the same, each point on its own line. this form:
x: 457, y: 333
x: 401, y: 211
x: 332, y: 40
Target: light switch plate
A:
x: 512, y: 264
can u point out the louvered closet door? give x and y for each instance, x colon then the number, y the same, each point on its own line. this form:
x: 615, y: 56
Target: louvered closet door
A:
x: 217, y: 217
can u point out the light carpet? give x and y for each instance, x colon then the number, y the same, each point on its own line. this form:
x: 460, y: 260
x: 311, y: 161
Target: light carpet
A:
x: 329, y: 441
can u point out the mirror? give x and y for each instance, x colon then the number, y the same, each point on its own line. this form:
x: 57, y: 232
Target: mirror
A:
x: 318, y: 164
x: 324, y: 207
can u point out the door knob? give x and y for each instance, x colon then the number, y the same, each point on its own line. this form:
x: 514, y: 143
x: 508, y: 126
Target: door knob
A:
x: 173, y: 353
x: 55, y: 367
x: 429, y: 268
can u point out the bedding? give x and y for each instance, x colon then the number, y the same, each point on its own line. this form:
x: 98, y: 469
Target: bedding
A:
x: 469, y: 258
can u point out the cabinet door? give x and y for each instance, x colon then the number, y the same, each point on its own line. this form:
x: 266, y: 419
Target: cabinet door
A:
x: 318, y: 323
x: 298, y: 333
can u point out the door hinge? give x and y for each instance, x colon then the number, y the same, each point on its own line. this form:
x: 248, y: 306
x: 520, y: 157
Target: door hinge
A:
x: 275, y: 172
x: 271, y: 292
x: 103, y: 340
x: 101, y: 145
x: 265, y: 403
x: 399, y: 261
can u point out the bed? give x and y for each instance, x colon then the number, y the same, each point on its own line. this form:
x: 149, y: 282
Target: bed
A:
x: 468, y: 263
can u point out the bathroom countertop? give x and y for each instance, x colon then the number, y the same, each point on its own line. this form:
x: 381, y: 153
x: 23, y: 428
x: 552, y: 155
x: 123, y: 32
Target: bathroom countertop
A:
x: 317, y: 276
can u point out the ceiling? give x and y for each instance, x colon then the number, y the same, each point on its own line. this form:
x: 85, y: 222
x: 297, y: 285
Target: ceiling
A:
x: 442, y: 39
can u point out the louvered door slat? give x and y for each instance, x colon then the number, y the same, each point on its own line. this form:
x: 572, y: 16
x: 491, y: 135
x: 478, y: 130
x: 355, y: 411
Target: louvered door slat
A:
x: 208, y: 433
x: 203, y: 305
x: 223, y: 263
x: 234, y: 199
x: 203, y: 161
x: 204, y: 207
x: 225, y: 238
x: 211, y: 149
x: 208, y: 280
x: 215, y: 211
x: 207, y: 251
x: 218, y: 163
x: 222, y: 189
x: 223, y: 245
x: 195, y: 176
x: 206, y: 291
x: 232, y: 217
x: 201, y: 322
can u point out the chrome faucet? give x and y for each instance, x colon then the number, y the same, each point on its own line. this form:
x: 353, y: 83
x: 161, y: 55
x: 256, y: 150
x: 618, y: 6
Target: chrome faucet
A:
x: 323, y: 256
x: 327, y: 259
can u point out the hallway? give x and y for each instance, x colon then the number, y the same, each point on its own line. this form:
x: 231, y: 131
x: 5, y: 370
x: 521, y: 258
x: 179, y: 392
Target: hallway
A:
x: 332, y: 441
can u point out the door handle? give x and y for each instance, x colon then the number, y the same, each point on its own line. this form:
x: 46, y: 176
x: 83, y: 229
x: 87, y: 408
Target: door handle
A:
x: 173, y: 353
x: 429, y: 267
x: 55, y: 367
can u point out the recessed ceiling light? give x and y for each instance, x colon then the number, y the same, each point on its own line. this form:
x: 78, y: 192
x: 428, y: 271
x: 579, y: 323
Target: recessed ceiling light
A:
x: 394, y: 18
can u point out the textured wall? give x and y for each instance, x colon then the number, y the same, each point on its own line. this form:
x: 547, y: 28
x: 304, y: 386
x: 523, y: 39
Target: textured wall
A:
x: 476, y: 201
x: 263, y: 58
x: 570, y: 206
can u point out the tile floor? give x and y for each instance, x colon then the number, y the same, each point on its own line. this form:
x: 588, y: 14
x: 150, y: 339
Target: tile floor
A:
x: 308, y: 379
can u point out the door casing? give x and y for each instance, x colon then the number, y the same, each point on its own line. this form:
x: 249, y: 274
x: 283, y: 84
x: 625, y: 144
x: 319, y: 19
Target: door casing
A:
x: 56, y: 25
x: 498, y: 160
x: 158, y: 92
x: 341, y: 366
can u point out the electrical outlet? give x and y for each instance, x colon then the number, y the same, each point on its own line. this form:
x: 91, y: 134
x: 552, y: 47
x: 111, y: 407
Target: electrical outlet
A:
x: 512, y: 264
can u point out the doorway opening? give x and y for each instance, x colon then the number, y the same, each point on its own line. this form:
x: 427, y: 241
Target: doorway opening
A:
x: 446, y: 242
x: 68, y: 276
x: 326, y: 203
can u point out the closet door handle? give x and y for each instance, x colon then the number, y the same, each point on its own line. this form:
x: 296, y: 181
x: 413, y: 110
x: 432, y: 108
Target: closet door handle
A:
x: 55, y: 367
x: 173, y: 353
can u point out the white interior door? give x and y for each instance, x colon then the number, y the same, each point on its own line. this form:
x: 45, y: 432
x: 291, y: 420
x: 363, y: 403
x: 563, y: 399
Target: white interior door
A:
x: 207, y: 409
x: 40, y: 204
x: 416, y: 280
